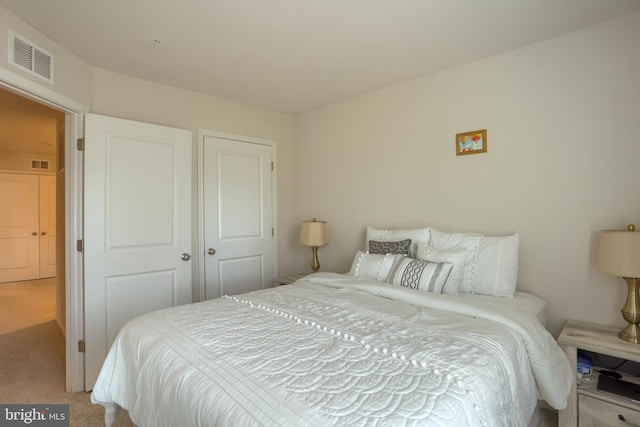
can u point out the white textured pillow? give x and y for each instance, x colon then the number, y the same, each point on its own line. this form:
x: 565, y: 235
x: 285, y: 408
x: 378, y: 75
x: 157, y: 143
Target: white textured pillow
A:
x: 459, y: 258
x: 493, y: 269
x: 456, y: 241
x: 418, y: 274
x: 444, y: 240
x: 372, y: 266
x: 495, y: 266
x: 417, y: 236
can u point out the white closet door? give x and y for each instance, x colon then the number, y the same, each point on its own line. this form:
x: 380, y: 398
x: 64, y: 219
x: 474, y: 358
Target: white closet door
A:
x: 19, y: 234
x: 47, y: 226
x: 238, y: 217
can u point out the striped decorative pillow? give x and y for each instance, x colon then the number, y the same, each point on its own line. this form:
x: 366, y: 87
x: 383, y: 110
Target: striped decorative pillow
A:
x: 419, y: 274
x: 459, y: 258
x: 372, y: 266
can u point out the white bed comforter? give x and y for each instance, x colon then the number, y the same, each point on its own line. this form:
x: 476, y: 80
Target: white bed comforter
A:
x: 333, y: 350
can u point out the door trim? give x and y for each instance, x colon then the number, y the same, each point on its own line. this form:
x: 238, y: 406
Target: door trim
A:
x: 198, y: 264
x: 73, y: 214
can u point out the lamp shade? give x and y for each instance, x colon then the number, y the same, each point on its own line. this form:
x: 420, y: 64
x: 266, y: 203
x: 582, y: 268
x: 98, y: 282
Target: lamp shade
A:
x: 619, y: 253
x: 314, y: 233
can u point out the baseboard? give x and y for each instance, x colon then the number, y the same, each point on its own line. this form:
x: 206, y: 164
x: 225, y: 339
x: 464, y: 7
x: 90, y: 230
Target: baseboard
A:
x: 61, y: 327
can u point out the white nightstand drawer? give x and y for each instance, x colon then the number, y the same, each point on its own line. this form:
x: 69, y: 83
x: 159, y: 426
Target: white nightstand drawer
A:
x: 594, y: 412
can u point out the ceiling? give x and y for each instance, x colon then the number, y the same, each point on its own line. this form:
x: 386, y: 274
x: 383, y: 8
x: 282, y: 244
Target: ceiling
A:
x: 294, y: 55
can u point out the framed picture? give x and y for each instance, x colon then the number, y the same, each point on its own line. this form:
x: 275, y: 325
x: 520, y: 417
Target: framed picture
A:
x: 471, y: 142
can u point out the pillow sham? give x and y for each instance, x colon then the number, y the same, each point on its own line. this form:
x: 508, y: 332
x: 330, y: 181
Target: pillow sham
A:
x: 495, y: 266
x: 445, y: 240
x: 395, y: 248
x: 458, y: 241
x: 372, y: 266
x: 493, y: 269
x: 417, y: 235
x: 459, y: 258
x: 418, y: 274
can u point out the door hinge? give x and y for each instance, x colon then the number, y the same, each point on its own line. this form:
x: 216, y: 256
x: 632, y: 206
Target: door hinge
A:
x: 273, y: 231
x: 80, y: 144
x: 81, y: 346
x: 80, y: 245
x: 271, y: 165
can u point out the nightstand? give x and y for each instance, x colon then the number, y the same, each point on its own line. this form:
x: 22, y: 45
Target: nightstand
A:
x: 287, y: 280
x: 586, y: 406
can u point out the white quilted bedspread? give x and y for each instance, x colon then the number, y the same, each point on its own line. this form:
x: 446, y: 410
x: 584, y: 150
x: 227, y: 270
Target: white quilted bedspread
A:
x: 333, y: 353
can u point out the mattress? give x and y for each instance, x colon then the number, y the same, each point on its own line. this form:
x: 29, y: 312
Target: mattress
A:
x: 335, y: 350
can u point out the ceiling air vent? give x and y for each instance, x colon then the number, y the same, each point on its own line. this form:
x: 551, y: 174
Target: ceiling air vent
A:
x: 29, y: 57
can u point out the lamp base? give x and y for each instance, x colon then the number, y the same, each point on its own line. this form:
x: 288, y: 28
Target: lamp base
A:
x: 315, y: 264
x: 630, y: 333
x: 631, y: 312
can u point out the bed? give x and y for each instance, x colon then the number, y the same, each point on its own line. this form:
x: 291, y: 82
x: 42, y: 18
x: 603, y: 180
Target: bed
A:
x: 340, y: 349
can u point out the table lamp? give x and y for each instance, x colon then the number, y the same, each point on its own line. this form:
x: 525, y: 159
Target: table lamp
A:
x: 619, y: 255
x: 314, y: 233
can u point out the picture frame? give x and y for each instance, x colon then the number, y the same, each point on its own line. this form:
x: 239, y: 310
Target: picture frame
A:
x: 471, y: 142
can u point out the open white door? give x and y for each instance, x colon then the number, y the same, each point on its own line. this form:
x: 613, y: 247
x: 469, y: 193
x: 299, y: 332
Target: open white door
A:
x: 238, y: 216
x: 137, y: 227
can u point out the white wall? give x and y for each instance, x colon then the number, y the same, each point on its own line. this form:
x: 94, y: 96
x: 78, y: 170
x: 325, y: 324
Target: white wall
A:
x: 563, y: 147
x: 73, y: 77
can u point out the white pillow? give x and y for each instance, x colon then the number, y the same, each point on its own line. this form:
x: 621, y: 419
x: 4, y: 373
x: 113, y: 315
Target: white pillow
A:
x: 444, y: 240
x: 459, y: 258
x: 417, y: 236
x: 418, y: 274
x: 372, y: 266
x: 455, y: 241
x: 493, y: 269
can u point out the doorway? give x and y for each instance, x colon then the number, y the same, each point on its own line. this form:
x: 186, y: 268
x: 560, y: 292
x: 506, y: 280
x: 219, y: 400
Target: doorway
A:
x: 70, y: 190
x: 32, y: 270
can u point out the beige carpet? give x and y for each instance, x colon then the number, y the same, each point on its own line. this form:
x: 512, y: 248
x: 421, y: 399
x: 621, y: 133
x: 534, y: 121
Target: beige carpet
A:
x: 32, y: 367
x: 32, y: 356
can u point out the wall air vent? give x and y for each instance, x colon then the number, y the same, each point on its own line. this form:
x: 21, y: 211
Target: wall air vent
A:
x: 29, y: 57
x: 40, y: 164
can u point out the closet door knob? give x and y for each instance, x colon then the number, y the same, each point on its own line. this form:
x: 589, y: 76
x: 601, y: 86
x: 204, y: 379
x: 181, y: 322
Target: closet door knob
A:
x: 44, y: 233
x: 34, y: 233
x: 185, y: 257
x: 211, y: 251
